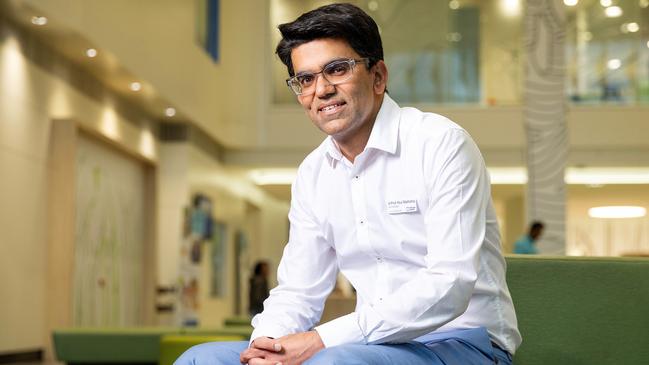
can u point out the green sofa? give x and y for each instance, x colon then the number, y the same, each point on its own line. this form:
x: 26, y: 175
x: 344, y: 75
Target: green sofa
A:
x: 141, y: 345
x: 581, y: 311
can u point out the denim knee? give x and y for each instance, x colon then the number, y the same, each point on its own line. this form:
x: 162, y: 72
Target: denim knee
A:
x: 337, y: 355
x: 212, y: 353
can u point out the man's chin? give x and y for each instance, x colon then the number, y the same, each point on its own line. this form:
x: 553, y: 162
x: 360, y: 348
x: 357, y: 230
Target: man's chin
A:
x: 331, y: 126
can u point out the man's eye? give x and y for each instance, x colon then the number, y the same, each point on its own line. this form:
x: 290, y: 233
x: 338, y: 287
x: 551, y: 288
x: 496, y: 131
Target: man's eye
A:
x: 337, y: 69
x: 305, y: 79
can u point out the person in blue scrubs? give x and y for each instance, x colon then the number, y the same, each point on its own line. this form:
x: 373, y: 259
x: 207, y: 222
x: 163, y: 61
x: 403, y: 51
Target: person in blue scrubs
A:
x: 526, y: 245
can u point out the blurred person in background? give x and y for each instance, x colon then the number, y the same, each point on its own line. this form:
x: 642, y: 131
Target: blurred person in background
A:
x: 258, y: 288
x: 526, y: 245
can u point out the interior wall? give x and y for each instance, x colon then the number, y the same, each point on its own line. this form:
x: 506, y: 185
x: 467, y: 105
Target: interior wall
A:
x: 225, y: 98
x: 244, y: 207
x: 603, y: 236
x: 30, y: 99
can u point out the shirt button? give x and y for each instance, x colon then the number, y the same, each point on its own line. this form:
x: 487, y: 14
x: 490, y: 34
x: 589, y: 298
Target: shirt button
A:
x: 356, y: 177
x: 362, y: 221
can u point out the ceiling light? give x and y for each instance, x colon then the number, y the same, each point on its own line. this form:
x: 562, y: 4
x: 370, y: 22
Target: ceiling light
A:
x: 510, y: 8
x: 135, y: 86
x: 278, y: 176
x: 373, y: 5
x: 606, y: 3
x: 613, y: 11
x: 617, y: 212
x: 91, y: 52
x: 170, y: 112
x: 570, y: 2
x: 454, y: 4
x: 507, y: 175
x: 613, y: 64
x: 644, y: 3
x: 632, y: 27
x: 39, y: 20
x: 647, y: 44
x: 576, y: 176
x: 604, y: 175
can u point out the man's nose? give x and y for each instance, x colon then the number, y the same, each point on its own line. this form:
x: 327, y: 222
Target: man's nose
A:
x: 323, y: 87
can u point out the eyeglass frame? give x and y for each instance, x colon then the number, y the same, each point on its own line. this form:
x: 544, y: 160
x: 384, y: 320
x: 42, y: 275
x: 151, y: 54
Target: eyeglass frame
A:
x: 351, y: 61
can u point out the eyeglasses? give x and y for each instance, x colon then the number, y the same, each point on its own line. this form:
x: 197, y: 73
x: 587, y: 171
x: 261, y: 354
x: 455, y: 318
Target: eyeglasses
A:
x: 335, y: 73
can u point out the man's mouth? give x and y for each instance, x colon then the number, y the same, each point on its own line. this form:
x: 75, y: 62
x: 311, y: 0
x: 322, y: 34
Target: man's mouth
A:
x: 330, y: 108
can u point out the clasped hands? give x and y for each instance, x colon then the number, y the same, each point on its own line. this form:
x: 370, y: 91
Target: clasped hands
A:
x: 288, y: 350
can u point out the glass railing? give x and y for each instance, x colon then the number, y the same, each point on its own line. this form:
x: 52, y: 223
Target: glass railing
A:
x: 471, y: 52
x: 607, y: 52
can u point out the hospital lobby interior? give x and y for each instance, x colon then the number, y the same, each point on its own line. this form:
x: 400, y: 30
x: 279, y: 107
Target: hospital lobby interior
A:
x: 147, y: 151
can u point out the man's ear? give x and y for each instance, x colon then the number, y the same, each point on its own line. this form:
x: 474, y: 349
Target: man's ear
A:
x: 380, y: 77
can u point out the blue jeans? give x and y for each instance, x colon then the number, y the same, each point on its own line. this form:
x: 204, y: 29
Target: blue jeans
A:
x: 459, y: 347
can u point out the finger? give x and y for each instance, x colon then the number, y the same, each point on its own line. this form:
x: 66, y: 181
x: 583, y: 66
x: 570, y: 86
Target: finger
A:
x: 252, y: 352
x: 267, y: 344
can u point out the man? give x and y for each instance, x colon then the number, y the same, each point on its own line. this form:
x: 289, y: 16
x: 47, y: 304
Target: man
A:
x: 526, y: 245
x: 398, y: 201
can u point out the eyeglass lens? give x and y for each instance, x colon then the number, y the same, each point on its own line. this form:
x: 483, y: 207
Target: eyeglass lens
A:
x: 335, y: 73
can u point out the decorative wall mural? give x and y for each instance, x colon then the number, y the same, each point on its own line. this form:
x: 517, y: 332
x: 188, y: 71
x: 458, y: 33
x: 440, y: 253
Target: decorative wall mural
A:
x: 198, y: 229
x: 109, y: 237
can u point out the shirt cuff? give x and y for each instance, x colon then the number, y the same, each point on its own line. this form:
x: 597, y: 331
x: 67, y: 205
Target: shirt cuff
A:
x: 341, y: 331
x: 268, y: 331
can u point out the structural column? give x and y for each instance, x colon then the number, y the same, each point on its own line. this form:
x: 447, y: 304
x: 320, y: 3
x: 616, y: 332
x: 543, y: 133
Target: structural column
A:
x: 545, y: 120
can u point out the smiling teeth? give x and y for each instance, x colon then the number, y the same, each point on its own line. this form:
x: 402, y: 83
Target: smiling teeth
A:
x: 330, y: 107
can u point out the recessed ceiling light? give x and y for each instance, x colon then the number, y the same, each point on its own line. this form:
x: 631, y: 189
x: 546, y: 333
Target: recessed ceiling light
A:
x: 170, y: 112
x: 613, y: 11
x: 617, y: 212
x: 39, y: 20
x: 644, y: 3
x: 91, y: 52
x: 454, y: 4
x: 570, y: 2
x: 135, y: 86
x: 606, y: 3
x: 614, y: 64
x: 633, y: 27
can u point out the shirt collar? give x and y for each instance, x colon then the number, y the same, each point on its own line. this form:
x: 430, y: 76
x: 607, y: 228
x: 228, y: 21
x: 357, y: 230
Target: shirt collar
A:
x: 384, y: 135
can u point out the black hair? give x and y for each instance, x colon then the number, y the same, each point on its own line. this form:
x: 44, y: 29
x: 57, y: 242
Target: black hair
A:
x: 259, y: 267
x: 536, y: 225
x: 346, y: 22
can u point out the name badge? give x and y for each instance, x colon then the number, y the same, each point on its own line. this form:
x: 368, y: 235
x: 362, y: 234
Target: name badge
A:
x: 402, y: 206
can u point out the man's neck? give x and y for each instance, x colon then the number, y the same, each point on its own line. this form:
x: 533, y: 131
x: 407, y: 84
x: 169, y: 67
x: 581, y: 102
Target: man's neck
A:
x: 354, y: 145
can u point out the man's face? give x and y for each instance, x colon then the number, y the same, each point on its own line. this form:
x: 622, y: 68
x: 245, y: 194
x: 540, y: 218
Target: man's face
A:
x: 339, y: 110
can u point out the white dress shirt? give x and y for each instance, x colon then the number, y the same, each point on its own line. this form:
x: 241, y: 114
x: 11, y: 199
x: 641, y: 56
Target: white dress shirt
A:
x: 410, y: 224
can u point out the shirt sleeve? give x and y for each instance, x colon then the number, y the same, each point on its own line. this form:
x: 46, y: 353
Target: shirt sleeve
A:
x: 458, y: 197
x: 306, y: 273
